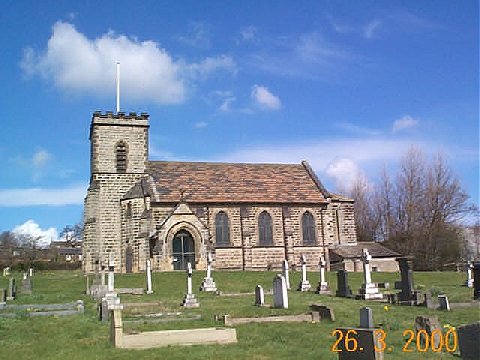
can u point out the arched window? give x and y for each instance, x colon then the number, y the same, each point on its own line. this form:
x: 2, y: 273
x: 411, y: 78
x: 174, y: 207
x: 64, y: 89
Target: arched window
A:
x: 222, y: 230
x: 308, y: 229
x: 265, y: 229
x: 121, y: 154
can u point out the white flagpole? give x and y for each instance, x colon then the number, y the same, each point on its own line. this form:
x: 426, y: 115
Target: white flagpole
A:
x: 118, y: 86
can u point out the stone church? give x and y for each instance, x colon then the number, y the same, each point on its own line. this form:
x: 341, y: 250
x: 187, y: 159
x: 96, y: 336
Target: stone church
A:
x: 250, y: 216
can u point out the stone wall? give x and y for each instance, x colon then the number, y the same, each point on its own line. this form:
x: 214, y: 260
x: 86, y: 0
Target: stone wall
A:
x: 103, y: 212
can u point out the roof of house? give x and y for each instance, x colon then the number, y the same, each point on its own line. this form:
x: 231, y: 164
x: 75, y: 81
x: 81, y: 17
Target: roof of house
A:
x: 355, y: 251
x: 240, y: 183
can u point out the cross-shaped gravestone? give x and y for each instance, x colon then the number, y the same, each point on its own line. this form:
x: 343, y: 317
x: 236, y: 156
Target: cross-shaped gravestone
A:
x: 322, y: 287
x: 111, y: 276
x: 469, y: 281
x: 149, y: 276
x: 189, y: 300
x: 304, y: 284
x: 369, y: 290
x: 208, y: 284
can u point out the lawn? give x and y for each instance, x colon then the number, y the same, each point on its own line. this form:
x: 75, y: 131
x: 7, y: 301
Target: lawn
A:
x: 84, y: 337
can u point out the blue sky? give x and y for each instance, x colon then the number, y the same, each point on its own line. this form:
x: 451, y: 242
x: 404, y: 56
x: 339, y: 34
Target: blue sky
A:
x: 348, y: 86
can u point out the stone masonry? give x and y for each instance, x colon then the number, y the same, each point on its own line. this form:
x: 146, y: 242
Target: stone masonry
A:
x: 135, y: 213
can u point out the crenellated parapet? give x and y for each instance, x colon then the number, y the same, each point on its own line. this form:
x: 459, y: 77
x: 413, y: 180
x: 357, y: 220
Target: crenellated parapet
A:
x: 120, y: 115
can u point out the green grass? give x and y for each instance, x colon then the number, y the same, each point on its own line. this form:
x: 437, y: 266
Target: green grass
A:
x: 84, y: 337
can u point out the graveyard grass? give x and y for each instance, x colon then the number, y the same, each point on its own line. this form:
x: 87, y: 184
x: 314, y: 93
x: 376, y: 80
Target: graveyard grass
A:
x: 84, y: 337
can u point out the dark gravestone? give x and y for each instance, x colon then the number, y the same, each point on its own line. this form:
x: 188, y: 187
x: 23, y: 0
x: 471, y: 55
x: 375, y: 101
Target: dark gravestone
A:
x: 343, y: 290
x: 468, y: 341
x: 366, y: 318
x: 324, y: 312
x: 476, y: 281
x: 406, y: 294
x: 367, y: 341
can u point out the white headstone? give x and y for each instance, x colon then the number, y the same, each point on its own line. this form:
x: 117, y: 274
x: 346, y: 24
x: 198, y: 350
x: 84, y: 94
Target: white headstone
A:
x: 111, y: 276
x: 280, y: 294
x: 304, y: 284
x: 286, y: 273
x: 469, y: 281
x: 322, y: 287
x: 369, y: 290
x: 190, y: 300
x: 30, y: 272
x: 149, y: 277
x: 208, y: 284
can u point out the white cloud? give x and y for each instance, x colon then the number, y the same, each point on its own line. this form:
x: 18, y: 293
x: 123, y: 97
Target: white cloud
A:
x: 248, y: 33
x: 226, y: 104
x: 200, y: 124
x: 32, y: 229
x: 371, y: 28
x: 210, y: 65
x: 72, y: 195
x: 198, y: 35
x: 41, y: 158
x: 343, y: 172
x: 405, y: 122
x: 264, y: 98
x: 87, y: 66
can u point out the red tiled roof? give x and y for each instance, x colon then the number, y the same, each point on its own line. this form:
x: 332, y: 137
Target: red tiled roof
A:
x: 247, y: 183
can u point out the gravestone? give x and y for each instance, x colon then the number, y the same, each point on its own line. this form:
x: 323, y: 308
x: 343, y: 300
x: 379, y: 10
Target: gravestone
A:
x: 406, y: 294
x: 280, y: 294
x: 148, y: 272
x: 304, y: 284
x: 30, y: 272
x: 190, y: 300
x: 286, y: 274
x: 6, y: 271
x: 429, y: 301
x: 324, y: 312
x: 108, y: 302
x: 323, y: 288
x: 26, y: 288
x: 12, y: 289
x: 259, y: 296
x: 468, y: 341
x: 429, y: 324
x: 343, y: 290
x: 111, y: 276
x: 3, y: 298
x: 102, y: 274
x: 443, y: 303
x: 369, y: 290
x: 469, y: 281
x: 367, y: 341
x: 208, y: 284
x: 476, y: 281
x: 366, y: 318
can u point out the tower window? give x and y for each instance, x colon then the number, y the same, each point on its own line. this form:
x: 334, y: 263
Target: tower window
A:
x: 121, y: 152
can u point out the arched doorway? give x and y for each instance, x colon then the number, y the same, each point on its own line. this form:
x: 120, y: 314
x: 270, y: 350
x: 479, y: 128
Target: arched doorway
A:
x: 183, y: 250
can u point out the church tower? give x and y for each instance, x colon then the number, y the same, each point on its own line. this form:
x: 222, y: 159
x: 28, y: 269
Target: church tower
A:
x: 118, y: 157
